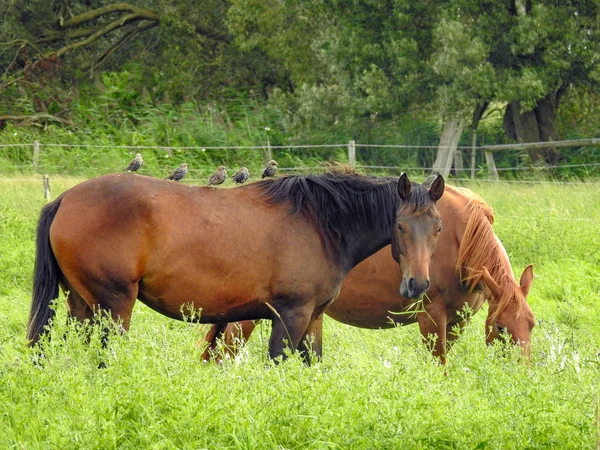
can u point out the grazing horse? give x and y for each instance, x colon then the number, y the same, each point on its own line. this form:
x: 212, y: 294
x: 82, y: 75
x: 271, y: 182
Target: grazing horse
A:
x: 282, y: 255
x: 469, y: 266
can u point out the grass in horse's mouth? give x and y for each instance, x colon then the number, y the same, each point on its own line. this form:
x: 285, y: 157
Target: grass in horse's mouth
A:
x: 417, y: 306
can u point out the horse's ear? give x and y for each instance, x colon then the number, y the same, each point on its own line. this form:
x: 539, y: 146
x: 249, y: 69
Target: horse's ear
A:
x: 526, y: 279
x: 404, y: 186
x: 437, y: 188
x: 491, y: 283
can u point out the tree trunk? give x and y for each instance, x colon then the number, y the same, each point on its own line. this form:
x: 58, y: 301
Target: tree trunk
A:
x: 478, y: 111
x: 447, y: 147
x: 537, y: 125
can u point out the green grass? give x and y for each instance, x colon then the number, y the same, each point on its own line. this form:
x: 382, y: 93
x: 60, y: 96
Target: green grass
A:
x: 373, y: 389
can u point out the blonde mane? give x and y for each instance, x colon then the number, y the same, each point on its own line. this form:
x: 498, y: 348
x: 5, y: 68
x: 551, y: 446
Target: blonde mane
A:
x: 479, y: 248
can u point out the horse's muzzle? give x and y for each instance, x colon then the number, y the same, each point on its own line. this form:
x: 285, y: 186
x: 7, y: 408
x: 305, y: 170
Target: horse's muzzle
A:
x: 411, y: 288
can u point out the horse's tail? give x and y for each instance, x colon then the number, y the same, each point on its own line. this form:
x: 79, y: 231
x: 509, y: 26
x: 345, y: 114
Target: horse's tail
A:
x: 45, y: 275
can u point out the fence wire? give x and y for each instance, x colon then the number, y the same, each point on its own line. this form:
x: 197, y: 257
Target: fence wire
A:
x: 27, y: 152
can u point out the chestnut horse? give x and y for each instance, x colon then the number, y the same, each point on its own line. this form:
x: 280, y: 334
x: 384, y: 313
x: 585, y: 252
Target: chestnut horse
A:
x: 274, y: 249
x: 470, y: 265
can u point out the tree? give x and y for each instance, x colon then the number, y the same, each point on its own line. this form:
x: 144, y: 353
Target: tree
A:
x: 524, y: 53
x: 176, y: 51
x: 365, y: 59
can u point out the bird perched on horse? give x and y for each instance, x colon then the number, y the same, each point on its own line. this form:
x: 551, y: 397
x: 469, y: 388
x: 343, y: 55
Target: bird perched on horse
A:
x: 178, y: 173
x: 218, y: 177
x: 135, y: 163
x: 270, y: 170
x: 241, y: 176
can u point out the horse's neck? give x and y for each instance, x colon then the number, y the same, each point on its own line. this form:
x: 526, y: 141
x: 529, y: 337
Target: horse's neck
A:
x: 502, y: 274
x: 368, y: 237
x: 364, y: 245
x: 479, y: 246
x: 503, y: 256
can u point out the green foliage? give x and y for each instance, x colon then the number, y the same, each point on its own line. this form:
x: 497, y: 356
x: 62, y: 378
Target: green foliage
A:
x: 312, y: 72
x: 525, y: 50
x: 373, y: 389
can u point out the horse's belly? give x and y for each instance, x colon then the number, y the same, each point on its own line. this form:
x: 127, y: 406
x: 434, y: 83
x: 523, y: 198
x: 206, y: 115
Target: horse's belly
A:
x: 213, y: 298
x: 371, y: 309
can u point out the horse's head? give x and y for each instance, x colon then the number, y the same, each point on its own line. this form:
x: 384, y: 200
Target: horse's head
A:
x: 418, y: 225
x: 515, y: 317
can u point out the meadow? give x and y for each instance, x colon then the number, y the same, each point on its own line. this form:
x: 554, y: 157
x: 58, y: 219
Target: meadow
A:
x: 373, y: 389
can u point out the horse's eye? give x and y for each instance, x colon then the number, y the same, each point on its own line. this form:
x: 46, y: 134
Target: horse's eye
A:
x: 439, y: 230
x: 400, y: 228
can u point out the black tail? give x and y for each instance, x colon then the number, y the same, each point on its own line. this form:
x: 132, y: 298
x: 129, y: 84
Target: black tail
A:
x: 45, y: 275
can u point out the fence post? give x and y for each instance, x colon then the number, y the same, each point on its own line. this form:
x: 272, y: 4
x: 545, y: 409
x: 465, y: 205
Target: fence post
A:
x: 473, y: 152
x: 352, y: 154
x: 46, y: 182
x: 36, y: 155
x: 268, y: 151
x: 492, y: 171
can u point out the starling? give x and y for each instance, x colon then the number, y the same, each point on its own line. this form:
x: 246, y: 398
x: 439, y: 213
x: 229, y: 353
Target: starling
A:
x: 241, y: 176
x: 135, y: 163
x: 218, y: 177
x: 270, y: 170
x: 178, y: 173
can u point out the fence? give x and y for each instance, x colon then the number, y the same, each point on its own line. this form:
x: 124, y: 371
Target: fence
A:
x: 350, y: 148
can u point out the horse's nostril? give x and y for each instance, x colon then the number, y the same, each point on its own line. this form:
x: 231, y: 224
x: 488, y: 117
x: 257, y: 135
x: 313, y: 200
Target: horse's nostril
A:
x: 412, y: 284
x: 427, y: 284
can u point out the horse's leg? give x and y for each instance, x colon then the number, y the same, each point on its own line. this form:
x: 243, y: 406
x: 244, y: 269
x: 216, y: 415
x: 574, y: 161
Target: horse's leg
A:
x: 214, y: 334
x: 312, y: 341
x: 289, y: 325
x: 110, y: 298
x: 433, y: 322
x: 452, y: 334
x: 230, y: 333
x: 76, y: 305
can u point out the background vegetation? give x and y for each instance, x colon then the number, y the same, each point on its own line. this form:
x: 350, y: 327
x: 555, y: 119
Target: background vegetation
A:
x: 248, y: 72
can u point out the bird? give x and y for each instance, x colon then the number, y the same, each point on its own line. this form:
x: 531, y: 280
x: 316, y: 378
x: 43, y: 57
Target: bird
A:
x: 270, y: 169
x: 178, y: 173
x: 135, y: 163
x: 241, y: 176
x: 218, y: 177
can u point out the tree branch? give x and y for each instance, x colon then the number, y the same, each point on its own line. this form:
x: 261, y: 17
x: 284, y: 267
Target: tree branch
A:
x: 92, y: 34
x: 117, y: 7
x: 122, y: 21
x: 54, y: 35
x: 214, y: 35
x: 126, y: 37
x: 13, y: 81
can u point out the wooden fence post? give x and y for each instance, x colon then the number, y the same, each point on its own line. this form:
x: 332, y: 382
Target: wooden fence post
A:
x: 268, y: 151
x: 36, y: 155
x: 492, y: 171
x: 352, y: 154
x: 473, y: 152
x: 46, y: 182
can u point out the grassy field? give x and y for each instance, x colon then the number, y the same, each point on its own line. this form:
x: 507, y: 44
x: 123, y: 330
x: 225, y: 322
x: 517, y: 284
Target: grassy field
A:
x: 374, y: 389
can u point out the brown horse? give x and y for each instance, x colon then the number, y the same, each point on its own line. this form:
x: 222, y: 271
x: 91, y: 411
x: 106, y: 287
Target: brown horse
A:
x: 274, y: 249
x: 470, y: 265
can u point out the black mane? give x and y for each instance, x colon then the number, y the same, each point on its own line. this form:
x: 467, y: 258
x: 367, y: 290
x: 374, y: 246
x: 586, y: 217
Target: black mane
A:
x: 343, y: 205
